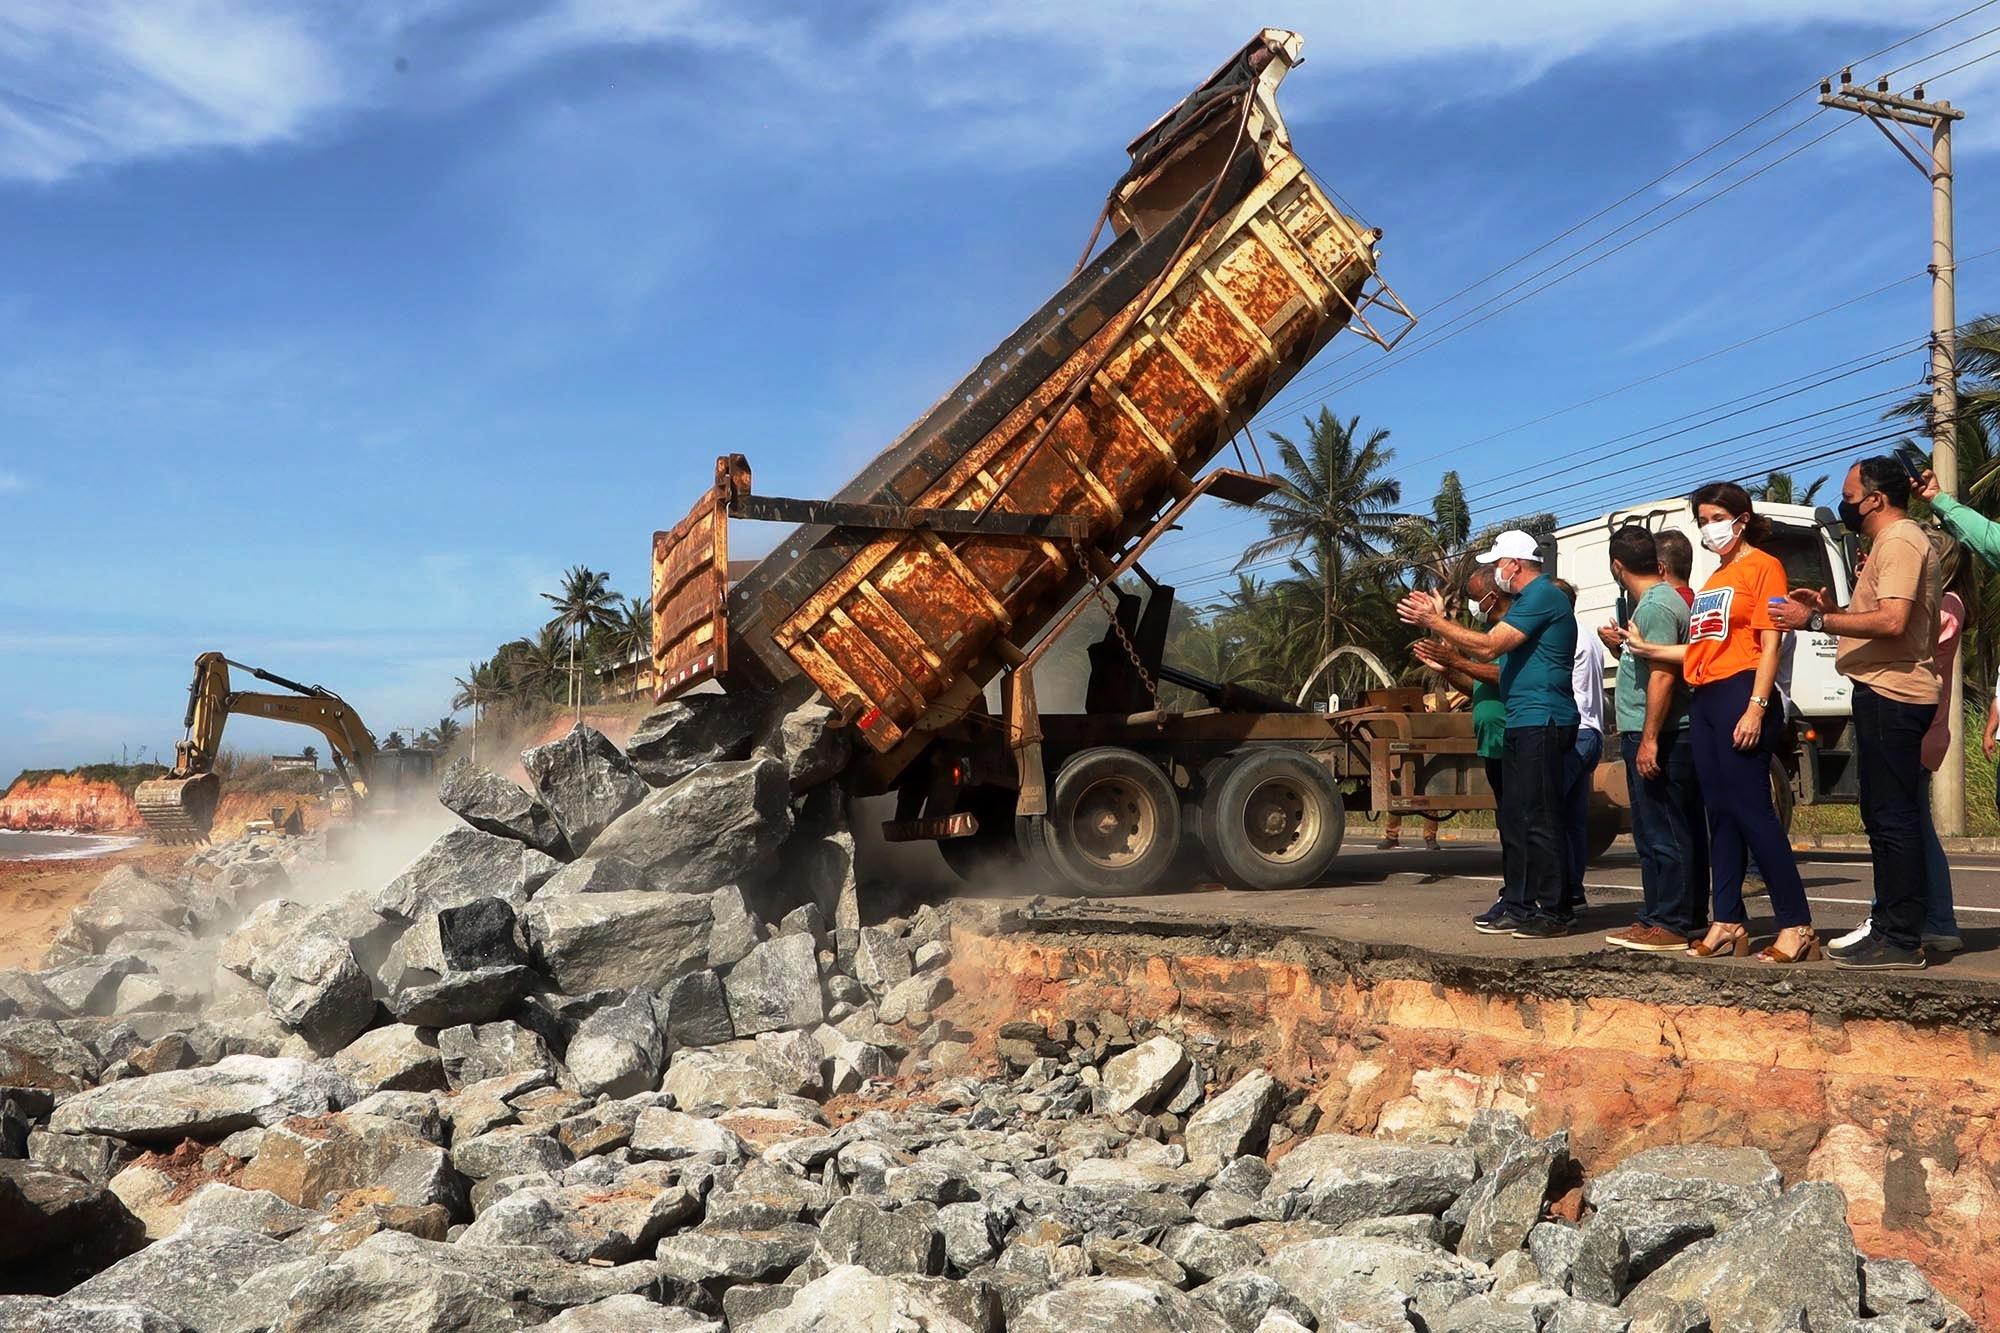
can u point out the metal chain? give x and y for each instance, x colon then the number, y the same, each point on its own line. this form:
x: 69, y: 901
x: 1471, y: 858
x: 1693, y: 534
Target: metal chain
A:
x: 1118, y: 627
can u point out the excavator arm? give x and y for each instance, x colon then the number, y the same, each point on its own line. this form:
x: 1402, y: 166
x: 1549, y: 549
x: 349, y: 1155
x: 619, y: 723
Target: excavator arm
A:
x: 180, y: 807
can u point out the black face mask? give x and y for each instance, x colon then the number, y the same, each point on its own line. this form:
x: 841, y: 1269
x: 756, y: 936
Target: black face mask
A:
x: 1850, y: 514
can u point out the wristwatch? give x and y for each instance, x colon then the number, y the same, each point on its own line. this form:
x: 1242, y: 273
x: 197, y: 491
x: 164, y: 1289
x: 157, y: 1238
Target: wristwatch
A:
x: 1816, y: 622
x: 1763, y: 701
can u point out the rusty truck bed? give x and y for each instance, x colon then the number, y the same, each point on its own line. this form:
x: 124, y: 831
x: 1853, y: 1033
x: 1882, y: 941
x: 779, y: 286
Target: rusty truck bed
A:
x: 902, y: 596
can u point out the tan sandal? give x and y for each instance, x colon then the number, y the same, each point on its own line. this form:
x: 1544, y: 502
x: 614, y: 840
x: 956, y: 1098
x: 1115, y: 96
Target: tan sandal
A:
x: 1807, y: 952
x: 1735, y: 944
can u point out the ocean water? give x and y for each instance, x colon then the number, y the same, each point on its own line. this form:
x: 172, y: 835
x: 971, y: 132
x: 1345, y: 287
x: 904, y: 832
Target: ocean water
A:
x: 20, y: 846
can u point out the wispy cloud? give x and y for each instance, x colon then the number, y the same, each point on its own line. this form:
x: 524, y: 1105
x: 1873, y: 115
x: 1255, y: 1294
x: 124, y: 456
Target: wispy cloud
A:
x: 85, y: 86
x: 12, y: 483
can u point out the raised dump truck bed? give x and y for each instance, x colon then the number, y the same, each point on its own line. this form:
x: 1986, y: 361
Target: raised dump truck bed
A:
x: 1047, y: 470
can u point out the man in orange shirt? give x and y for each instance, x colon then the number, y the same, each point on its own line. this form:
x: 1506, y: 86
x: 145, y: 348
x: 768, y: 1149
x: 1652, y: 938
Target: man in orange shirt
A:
x: 1888, y: 634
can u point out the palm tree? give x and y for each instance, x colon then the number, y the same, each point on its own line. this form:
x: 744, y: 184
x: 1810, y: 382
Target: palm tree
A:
x: 1780, y: 489
x: 535, y: 666
x: 1439, y: 547
x: 1333, y: 502
x: 585, y: 602
x: 477, y: 689
x: 311, y: 755
x: 444, y: 733
x: 631, y: 630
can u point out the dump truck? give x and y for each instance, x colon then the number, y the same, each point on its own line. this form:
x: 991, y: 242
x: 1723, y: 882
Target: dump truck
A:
x: 921, y: 598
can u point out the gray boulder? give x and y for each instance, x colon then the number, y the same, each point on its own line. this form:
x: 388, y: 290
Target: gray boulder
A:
x: 55, y: 1227
x: 890, y: 1243
x: 46, y: 1314
x: 491, y: 804
x: 618, y: 941
x: 465, y: 863
x: 237, y: 1092
x: 1345, y: 1178
x: 219, y: 1205
x: 694, y: 1011
x: 586, y: 781
x: 480, y: 933
x: 1324, y: 1271
x: 722, y: 824
x: 1506, y: 1202
x: 320, y: 992
x: 1803, y: 1235
x: 724, y: 1077
x: 396, y: 1058
x: 709, y: 1255
x: 1112, y: 1305
x: 1233, y: 1123
x: 583, y: 1223
x: 667, y: 1136
x: 204, y: 1277
x: 812, y: 742
x: 1135, y: 1079
x: 128, y: 899
x: 1727, y: 1182
x: 597, y: 874
x: 692, y: 731
x: 775, y: 986
x: 630, y: 1314
x: 854, y: 1300
x: 478, y: 996
x: 619, y: 1049
x: 90, y: 985
x: 1244, y: 1300
x: 474, y: 1052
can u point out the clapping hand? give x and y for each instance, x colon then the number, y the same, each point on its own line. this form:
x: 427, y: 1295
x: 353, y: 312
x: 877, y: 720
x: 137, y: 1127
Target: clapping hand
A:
x: 1434, y: 654
x: 1420, y: 608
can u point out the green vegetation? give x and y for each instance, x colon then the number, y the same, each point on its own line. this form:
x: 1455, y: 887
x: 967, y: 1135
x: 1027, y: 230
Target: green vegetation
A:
x: 125, y: 777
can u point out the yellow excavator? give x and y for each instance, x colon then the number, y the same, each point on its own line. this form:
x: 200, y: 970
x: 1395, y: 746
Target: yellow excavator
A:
x: 180, y: 807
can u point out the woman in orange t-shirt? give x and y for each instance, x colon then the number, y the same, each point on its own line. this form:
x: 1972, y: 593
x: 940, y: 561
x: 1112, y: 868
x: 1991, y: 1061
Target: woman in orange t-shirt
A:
x: 1731, y: 664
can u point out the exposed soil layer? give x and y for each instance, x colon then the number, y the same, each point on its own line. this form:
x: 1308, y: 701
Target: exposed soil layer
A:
x: 1890, y: 1091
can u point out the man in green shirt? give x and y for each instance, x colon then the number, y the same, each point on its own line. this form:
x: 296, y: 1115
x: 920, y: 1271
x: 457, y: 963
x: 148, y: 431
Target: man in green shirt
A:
x: 1538, y: 641
x: 1669, y: 825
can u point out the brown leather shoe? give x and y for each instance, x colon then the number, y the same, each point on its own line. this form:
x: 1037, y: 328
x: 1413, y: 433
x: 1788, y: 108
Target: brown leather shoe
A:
x: 1652, y: 939
x: 1618, y: 937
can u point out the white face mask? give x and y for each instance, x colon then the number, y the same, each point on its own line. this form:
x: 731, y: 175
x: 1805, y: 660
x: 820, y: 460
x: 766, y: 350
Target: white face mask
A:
x: 1503, y: 583
x: 1720, y: 535
x: 1478, y: 613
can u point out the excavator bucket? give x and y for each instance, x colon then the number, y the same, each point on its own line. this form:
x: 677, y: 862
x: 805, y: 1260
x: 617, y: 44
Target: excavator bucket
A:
x: 179, y: 809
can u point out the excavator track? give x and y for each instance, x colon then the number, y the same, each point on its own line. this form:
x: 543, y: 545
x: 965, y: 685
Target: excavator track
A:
x: 179, y: 810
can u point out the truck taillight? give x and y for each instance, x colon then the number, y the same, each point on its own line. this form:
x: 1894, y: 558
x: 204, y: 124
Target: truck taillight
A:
x: 1811, y: 734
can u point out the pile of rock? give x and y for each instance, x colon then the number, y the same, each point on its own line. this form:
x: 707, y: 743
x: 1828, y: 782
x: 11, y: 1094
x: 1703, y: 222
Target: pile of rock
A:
x: 618, y: 1054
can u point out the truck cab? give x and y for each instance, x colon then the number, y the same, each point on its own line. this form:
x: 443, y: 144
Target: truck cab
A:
x: 1816, y: 553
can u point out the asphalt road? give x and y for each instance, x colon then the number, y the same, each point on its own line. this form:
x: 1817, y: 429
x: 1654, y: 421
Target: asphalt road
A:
x: 1419, y: 897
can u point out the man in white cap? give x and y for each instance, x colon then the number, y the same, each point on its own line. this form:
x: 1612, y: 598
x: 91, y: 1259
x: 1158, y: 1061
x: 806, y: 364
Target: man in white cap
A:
x: 1535, y: 646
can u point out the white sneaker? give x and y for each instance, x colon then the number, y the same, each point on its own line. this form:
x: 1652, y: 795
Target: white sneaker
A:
x: 1851, y: 938
x: 1943, y: 943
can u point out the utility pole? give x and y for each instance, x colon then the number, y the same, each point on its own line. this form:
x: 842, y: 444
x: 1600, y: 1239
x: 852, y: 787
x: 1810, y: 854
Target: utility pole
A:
x: 1890, y: 113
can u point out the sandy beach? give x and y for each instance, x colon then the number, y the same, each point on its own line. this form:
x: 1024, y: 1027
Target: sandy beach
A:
x: 36, y: 896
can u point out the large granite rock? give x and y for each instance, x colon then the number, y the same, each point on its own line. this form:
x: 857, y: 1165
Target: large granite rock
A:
x: 55, y: 1227
x: 237, y: 1092
x: 619, y: 1049
x: 320, y: 992
x: 1324, y: 1272
x: 1234, y: 1122
x: 853, y: 1300
x: 209, y: 1279
x: 1734, y: 1278
x: 1726, y: 1182
x: 465, y: 863
x: 490, y: 803
x: 776, y: 986
x: 396, y: 1058
x: 1345, y: 1178
x: 722, y: 824
x: 699, y: 729
x: 586, y: 781
x: 618, y: 941
x: 310, y: 1161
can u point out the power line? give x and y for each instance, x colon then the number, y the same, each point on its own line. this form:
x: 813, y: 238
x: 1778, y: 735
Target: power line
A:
x: 1688, y: 161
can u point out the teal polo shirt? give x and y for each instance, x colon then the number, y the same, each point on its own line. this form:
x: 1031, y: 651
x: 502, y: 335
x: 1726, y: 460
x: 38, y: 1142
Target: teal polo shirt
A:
x: 1535, y: 677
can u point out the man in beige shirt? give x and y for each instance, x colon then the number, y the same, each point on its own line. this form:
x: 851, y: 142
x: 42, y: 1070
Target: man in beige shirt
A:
x: 1888, y: 635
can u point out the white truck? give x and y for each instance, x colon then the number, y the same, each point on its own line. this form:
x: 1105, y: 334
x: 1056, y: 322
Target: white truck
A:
x: 1818, y: 768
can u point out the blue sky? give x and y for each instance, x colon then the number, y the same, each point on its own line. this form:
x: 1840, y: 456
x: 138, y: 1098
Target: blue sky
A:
x: 330, y: 334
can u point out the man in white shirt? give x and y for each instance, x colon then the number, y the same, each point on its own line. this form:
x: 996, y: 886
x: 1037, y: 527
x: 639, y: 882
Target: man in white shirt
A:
x: 1587, y: 683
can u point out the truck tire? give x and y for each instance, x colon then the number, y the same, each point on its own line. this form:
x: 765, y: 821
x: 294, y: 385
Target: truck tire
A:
x: 1114, y: 822
x: 1272, y: 818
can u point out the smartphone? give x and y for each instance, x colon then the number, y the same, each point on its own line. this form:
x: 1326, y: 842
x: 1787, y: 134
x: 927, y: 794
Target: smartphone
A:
x: 1913, y: 461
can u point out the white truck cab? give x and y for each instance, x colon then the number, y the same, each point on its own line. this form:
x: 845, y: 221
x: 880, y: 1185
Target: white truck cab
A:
x: 1816, y: 553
